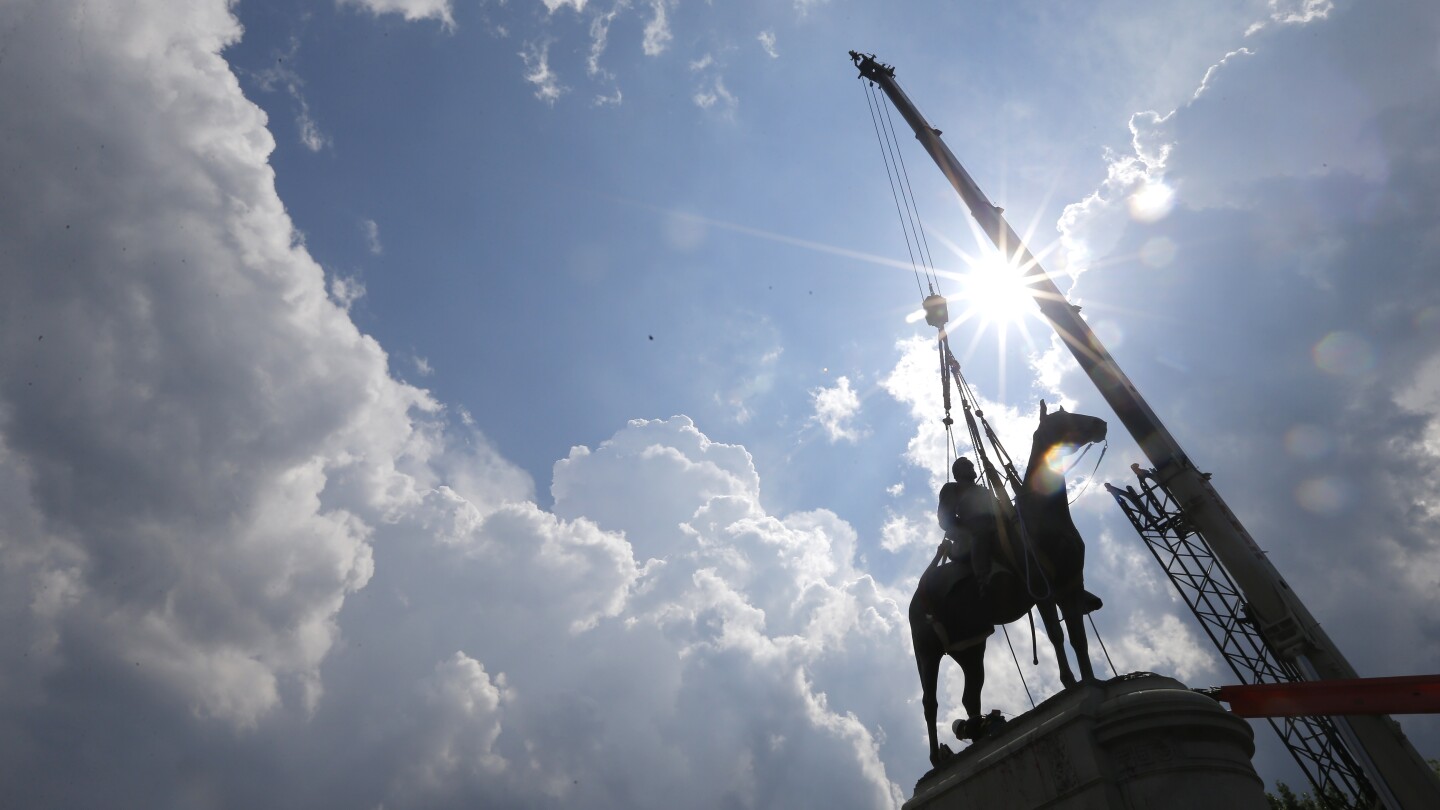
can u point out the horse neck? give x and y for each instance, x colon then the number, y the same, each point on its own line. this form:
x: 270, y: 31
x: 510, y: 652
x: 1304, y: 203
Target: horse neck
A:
x: 1041, y: 482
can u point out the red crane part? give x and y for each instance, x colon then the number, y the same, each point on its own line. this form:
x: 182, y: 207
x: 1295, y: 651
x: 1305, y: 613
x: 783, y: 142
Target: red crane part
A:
x: 1409, y: 694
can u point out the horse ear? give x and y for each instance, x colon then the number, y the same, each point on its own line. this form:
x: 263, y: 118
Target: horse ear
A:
x: 1042, y: 409
x: 1061, y: 409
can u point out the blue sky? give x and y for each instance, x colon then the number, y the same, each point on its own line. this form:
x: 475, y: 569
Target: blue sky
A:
x: 429, y: 403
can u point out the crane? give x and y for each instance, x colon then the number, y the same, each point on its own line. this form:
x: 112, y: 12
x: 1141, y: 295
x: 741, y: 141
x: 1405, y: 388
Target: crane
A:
x: 1381, y: 765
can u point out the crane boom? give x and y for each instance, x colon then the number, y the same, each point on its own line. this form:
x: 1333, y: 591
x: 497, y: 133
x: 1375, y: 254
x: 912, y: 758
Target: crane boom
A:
x: 1397, y: 773
x: 1407, y: 694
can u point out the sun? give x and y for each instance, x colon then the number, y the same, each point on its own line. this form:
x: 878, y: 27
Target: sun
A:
x: 995, y: 291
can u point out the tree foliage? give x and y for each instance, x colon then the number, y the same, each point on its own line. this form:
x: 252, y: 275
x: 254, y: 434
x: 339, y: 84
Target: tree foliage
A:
x: 1285, y: 799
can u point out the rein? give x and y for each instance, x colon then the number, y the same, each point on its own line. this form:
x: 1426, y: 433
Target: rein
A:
x: 1090, y: 479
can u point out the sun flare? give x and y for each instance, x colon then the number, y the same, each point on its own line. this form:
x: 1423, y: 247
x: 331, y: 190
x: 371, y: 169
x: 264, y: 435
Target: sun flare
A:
x: 995, y: 291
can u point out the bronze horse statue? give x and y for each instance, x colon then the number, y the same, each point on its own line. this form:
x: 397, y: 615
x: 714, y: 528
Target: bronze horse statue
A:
x: 1040, y: 561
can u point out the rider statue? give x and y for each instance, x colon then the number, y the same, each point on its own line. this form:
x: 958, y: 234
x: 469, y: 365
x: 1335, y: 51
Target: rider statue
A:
x: 970, y: 517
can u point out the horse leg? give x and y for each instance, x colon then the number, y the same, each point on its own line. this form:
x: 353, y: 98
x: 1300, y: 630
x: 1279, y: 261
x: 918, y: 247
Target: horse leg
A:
x: 1051, y: 619
x: 972, y: 664
x: 929, y: 664
x: 1079, y: 641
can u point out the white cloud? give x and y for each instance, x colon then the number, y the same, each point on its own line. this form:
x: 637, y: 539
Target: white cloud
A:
x: 552, y: 6
x: 710, y: 92
x: 346, y: 290
x: 225, y: 522
x: 310, y: 135
x: 1164, y: 643
x: 1300, y: 11
x: 900, y: 532
x: 411, y: 10
x: 1304, y: 225
x: 282, y: 73
x: 222, y: 512
x: 600, y: 37
x: 835, y: 411
x: 371, y: 229
x: 915, y: 382
x: 1210, y: 72
x: 715, y: 96
x: 767, y: 41
x: 537, y: 71
x: 1293, y: 12
x: 189, y: 511
x: 657, y: 34
x: 458, y: 739
x: 1135, y: 186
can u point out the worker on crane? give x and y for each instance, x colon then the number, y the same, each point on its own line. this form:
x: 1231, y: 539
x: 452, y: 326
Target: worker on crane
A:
x: 970, y: 517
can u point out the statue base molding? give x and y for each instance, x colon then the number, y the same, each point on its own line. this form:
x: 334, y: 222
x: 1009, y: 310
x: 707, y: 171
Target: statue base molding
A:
x: 1140, y: 740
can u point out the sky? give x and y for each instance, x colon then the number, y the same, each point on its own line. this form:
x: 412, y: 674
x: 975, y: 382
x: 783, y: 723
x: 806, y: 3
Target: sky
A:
x: 448, y: 403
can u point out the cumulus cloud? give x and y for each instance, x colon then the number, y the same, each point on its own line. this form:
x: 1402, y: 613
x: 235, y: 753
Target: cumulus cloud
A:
x: 282, y: 74
x: 1298, y: 258
x: 835, y: 411
x: 371, y: 230
x: 599, y: 41
x: 190, y: 493
x: 713, y: 95
x: 440, y: 10
x: 1294, y: 12
x: 536, y: 56
x: 600, y: 37
x: 767, y: 42
x: 915, y: 382
x: 899, y: 532
x: 226, y: 522
x: 460, y: 726
x: 657, y: 34
x: 346, y: 290
x: 553, y: 5
x: 659, y: 614
x: 242, y: 564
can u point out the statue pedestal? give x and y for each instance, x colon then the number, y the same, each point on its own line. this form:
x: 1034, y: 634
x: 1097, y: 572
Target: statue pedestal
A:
x: 1139, y: 741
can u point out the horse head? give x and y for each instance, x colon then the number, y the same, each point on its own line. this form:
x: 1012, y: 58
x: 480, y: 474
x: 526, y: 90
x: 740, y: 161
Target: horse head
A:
x: 1060, y: 428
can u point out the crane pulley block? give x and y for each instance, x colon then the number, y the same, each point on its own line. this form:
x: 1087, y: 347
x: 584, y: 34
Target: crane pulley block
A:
x: 937, y: 312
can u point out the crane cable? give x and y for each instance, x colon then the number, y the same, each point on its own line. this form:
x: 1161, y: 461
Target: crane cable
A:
x: 890, y: 176
x: 910, y: 196
x: 937, y: 315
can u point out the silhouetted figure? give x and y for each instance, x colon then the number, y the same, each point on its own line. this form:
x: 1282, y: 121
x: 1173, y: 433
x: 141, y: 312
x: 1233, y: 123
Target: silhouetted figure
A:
x: 948, y: 614
x: 970, y: 517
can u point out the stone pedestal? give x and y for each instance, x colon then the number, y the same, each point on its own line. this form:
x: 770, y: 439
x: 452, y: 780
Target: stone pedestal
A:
x: 1139, y: 741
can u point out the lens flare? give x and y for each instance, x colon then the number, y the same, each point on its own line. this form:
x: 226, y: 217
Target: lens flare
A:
x: 1151, y: 202
x: 1326, y: 495
x: 1344, y: 354
x: 996, y: 291
x: 1427, y: 321
x: 1307, y: 443
x: 1157, y: 252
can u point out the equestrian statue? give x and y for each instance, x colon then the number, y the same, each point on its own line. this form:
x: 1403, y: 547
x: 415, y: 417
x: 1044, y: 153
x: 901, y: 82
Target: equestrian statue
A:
x: 996, y: 562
